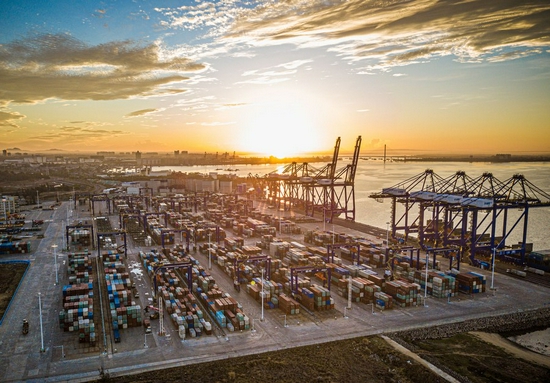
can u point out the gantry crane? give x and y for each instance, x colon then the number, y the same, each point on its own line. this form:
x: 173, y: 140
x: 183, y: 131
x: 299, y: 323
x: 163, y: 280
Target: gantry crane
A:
x: 294, y: 271
x: 100, y: 198
x: 184, y: 232
x: 356, y: 246
x: 69, y: 229
x: 463, y: 212
x: 115, y: 234
x: 328, y: 191
x: 256, y: 258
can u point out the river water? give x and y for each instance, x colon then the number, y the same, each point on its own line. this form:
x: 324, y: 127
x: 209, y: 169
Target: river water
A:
x: 372, y: 176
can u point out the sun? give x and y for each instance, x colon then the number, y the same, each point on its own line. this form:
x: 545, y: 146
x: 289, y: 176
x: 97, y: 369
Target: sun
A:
x: 282, y: 130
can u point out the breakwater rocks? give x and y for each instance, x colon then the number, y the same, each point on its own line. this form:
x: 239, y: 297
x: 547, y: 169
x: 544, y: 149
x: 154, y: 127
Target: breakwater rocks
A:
x: 520, y: 321
x: 517, y: 322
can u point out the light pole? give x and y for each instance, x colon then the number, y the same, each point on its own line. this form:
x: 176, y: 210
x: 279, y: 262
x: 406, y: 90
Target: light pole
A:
x: 426, y: 282
x: 209, y: 253
x: 145, y: 341
x: 62, y: 350
x: 4, y: 202
x: 55, y: 263
x: 63, y: 224
x: 387, y: 234
x: 493, y: 268
x: 41, y: 330
x: 262, y: 318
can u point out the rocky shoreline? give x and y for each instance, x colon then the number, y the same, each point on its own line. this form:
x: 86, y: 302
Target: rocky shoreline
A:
x: 521, y: 321
x: 516, y: 323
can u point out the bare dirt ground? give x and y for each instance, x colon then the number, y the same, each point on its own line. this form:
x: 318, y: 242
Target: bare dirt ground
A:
x: 485, y: 357
x: 468, y: 356
x: 10, y: 275
x: 513, y: 348
x: 367, y: 359
x: 537, y: 341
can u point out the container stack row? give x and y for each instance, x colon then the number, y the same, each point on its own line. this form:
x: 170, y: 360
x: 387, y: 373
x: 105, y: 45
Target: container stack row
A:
x: 404, y: 294
x: 7, y: 247
x: 181, y: 305
x: 77, y: 314
x: 362, y: 290
x: 439, y: 284
x: 124, y: 313
x: 189, y: 318
x: 271, y: 291
x: 470, y: 282
x: 288, y: 305
x: 316, y: 298
x: 79, y: 267
x: 383, y: 301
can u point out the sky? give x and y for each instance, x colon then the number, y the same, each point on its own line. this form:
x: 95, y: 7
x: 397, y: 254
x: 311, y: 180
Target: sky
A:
x: 277, y: 78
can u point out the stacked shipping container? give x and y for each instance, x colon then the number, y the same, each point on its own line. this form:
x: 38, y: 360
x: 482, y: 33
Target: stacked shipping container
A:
x: 77, y: 314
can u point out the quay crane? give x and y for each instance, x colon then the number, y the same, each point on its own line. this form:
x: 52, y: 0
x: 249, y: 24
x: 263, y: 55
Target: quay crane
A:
x: 463, y: 213
x: 329, y: 191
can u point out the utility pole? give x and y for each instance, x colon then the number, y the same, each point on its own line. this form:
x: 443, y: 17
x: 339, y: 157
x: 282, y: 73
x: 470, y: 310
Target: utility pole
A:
x: 493, y: 269
x: 349, y: 292
x: 209, y: 253
x: 262, y: 318
x: 426, y: 282
x: 55, y: 263
x: 41, y: 329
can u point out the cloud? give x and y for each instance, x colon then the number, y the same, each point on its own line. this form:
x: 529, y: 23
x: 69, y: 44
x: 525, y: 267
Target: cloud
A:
x: 275, y: 74
x: 400, y: 32
x: 140, y: 112
x: 81, y: 134
x: 294, y: 64
x: 61, y: 67
x: 196, y: 104
x: 235, y: 105
x: 6, y: 119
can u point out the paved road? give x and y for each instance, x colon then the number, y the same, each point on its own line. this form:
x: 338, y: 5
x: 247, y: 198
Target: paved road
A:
x: 21, y: 358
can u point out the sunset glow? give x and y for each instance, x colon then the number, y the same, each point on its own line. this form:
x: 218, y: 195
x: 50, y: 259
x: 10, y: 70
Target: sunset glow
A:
x: 275, y: 78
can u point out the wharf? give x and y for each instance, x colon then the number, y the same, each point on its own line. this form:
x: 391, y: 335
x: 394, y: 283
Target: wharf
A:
x: 21, y: 358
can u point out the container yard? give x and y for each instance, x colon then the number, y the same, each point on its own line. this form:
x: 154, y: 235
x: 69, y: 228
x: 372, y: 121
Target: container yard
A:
x: 231, y: 277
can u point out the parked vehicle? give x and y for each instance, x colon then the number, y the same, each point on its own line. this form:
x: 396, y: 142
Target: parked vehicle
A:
x: 153, y: 312
x: 116, y: 335
x: 147, y: 325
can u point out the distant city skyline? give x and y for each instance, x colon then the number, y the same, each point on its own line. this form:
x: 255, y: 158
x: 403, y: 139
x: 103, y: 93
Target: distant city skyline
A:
x: 276, y: 78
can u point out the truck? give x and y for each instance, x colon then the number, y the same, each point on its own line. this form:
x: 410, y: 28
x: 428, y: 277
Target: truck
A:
x: 116, y: 332
x: 116, y: 335
x: 147, y: 325
x: 153, y: 312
